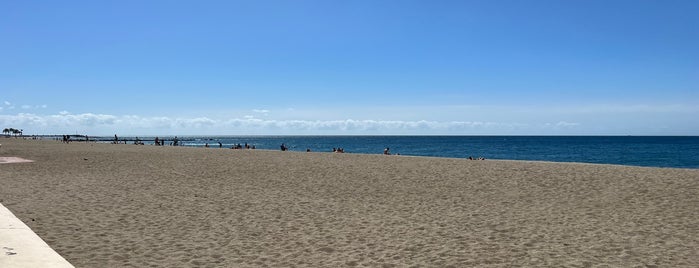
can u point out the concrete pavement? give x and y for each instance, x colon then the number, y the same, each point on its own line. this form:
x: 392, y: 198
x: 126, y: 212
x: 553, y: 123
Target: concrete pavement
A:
x: 20, y: 247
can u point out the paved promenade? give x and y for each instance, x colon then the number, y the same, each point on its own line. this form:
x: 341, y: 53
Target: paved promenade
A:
x: 20, y: 247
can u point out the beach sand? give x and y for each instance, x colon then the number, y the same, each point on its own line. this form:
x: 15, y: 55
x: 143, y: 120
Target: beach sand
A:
x: 105, y: 205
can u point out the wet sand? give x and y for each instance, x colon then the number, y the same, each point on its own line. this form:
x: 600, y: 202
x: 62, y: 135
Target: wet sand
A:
x: 105, y: 205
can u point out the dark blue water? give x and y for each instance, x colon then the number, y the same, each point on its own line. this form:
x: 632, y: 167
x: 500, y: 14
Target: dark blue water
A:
x: 651, y: 151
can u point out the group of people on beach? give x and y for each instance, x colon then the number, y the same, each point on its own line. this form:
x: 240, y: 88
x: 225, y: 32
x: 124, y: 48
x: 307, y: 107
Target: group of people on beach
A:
x: 162, y: 142
x: 137, y: 141
x: 246, y: 146
x: 66, y: 138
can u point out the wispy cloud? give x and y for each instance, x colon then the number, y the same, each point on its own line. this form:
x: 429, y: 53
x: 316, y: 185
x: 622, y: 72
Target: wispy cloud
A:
x: 26, y: 107
x: 9, y: 106
x: 567, y: 124
x: 626, y: 109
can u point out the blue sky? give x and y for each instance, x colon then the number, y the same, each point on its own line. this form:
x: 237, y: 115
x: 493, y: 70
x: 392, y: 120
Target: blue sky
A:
x: 350, y: 67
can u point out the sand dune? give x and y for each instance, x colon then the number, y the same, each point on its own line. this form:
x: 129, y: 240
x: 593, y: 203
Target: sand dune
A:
x: 104, y: 205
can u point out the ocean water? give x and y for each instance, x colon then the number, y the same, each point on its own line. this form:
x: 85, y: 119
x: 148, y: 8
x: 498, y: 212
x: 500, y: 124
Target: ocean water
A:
x: 651, y: 151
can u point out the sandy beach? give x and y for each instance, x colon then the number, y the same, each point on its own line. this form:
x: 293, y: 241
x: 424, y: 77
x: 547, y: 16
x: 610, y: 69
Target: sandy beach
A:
x: 105, y: 205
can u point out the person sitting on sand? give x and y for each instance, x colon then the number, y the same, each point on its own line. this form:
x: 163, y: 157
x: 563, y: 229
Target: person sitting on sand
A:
x: 387, y: 151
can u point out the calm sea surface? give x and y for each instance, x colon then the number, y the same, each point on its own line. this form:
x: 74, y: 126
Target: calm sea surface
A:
x: 651, y: 151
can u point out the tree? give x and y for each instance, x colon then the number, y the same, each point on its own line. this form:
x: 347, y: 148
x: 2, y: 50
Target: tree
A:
x: 12, y: 131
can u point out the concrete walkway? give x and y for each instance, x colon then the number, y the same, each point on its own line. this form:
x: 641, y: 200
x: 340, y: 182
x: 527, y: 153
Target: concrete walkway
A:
x: 20, y: 247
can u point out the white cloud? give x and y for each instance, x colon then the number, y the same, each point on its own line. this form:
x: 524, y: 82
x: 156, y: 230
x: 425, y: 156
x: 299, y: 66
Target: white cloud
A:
x: 8, y: 103
x: 25, y: 107
x: 679, y: 120
x: 261, y: 111
x: 103, y: 124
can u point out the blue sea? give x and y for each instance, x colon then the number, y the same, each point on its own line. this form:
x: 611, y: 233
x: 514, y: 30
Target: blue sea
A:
x: 650, y: 151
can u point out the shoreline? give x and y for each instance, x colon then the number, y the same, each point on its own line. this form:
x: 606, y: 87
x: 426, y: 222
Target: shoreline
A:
x: 103, y: 205
x: 671, y: 161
